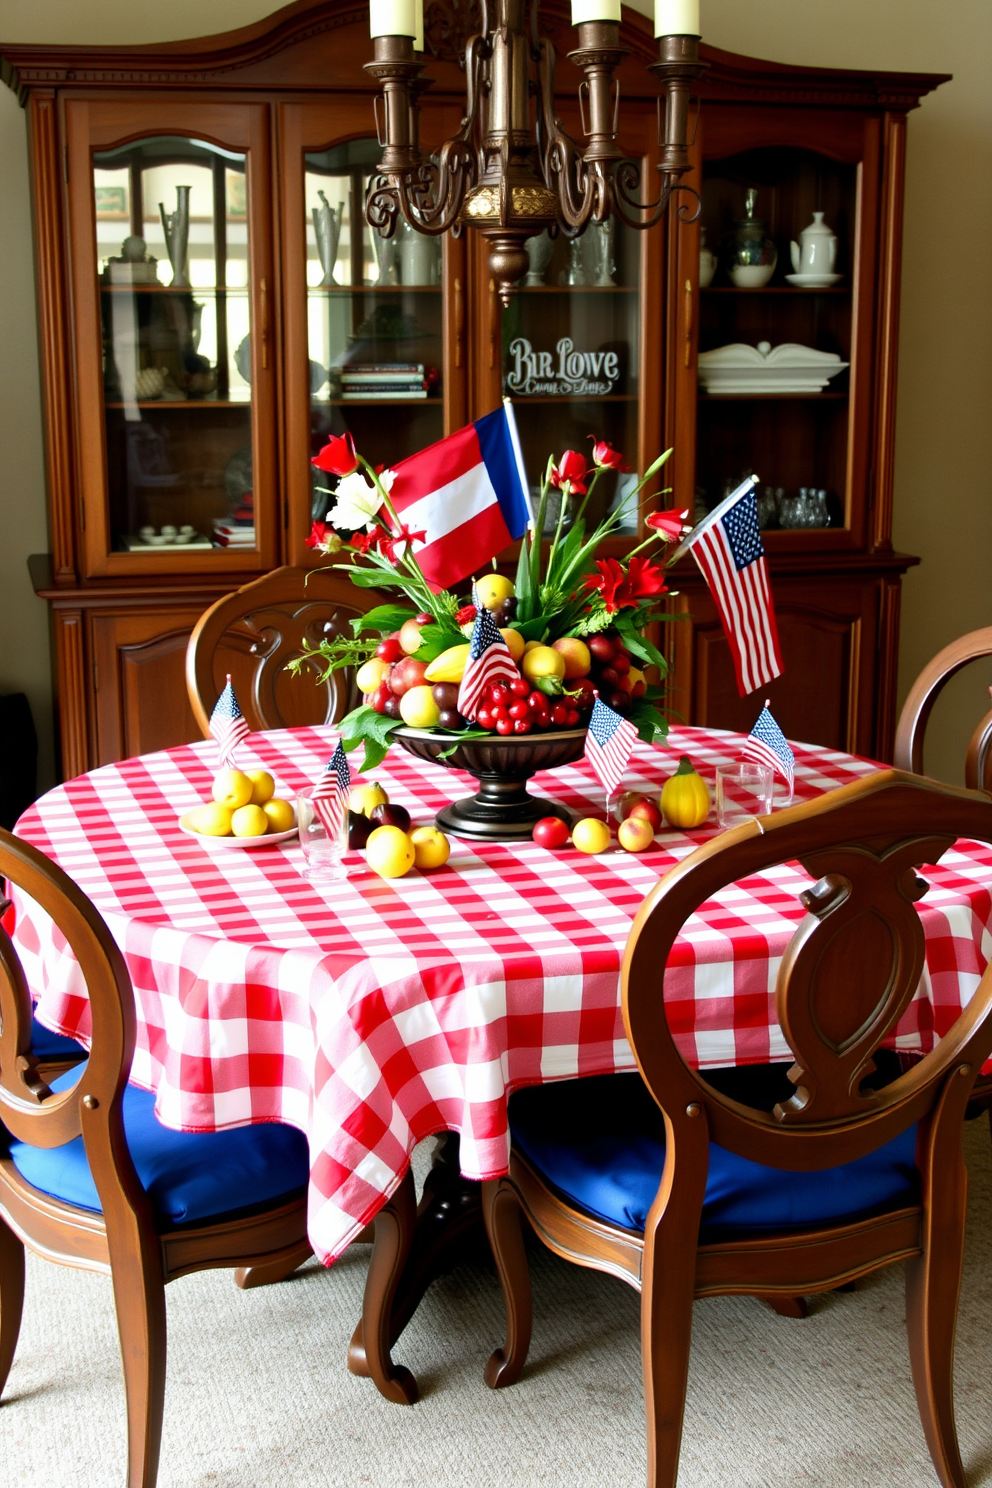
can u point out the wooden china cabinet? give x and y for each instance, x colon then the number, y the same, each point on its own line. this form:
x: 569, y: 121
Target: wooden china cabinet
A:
x: 206, y: 281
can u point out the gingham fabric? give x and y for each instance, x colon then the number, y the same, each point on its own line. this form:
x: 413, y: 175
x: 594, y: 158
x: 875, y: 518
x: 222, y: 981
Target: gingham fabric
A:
x: 372, y: 1013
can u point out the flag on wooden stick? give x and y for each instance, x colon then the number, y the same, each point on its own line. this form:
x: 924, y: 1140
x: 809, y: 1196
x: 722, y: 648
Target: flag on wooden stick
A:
x: 330, y: 795
x: 767, y: 744
x: 227, y: 725
x: 489, y: 661
x: 608, y: 745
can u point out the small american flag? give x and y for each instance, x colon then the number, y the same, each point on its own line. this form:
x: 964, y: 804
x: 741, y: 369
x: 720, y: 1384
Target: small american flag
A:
x: 227, y: 724
x: 608, y: 744
x: 330, y: 794
x: 767, y: 744
x: 728, y: 548
x: 489, y: 661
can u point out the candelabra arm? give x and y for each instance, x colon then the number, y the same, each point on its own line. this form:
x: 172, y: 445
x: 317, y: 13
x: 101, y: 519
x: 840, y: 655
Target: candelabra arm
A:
x: 562, y: 164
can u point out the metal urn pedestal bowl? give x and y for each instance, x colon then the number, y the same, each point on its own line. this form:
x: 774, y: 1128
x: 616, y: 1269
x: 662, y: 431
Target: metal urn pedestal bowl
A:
x: 501, y: 810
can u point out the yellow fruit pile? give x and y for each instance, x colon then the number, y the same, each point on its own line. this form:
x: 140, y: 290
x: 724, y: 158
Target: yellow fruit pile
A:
x: 391, y: 851
x: 243, y: 805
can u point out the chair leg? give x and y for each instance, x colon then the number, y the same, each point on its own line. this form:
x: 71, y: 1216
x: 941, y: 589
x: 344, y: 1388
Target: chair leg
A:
x: 139, y: 1297
x: 266, y: 1273
x: 502, y: 1213
x: 667, y: 1294
x: 369, y: 1350
x: 11, y: 1297
x: 790, y: 1307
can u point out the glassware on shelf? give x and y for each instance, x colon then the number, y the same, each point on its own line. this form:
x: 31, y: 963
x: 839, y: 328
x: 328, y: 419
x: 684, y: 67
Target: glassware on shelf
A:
x: 707, y: 262
x: 574, y: 276
x: 539, y: 253
x: 420, y: 257
x: 327, y: 231
x: 598, y: 240
x: 174, y: 297
x: 807, y: 509
x: 385, y: 258
x: 751, y: 254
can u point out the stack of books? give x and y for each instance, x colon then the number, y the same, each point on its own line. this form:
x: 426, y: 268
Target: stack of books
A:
x: 229, y: 533
x: 386, y: 380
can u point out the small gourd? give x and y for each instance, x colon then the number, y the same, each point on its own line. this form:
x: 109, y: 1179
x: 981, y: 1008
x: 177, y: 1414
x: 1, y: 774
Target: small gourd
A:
x: 685, y: 797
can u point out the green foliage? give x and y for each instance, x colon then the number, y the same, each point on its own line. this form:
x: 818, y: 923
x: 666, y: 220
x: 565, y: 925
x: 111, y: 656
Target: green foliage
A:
x: 437, y: 638
x: 533, y: 630
x: 333, y: 655
x: 651, y: 725
x: 638, y: 644
x: 384, y: 618
x: 363, y: 725
x: 596, y: 620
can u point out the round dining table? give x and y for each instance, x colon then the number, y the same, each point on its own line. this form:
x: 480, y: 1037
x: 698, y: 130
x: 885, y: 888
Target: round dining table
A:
x: 372, y: 1013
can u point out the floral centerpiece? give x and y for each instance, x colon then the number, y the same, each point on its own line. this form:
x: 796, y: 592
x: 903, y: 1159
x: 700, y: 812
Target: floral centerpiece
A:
x: 571, y: 626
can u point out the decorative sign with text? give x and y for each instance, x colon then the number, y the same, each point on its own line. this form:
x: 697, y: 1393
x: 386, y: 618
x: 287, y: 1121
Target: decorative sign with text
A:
x: 567, y: 372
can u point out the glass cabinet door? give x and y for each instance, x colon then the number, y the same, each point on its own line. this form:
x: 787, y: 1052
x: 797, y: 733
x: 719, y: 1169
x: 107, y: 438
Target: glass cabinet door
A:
x: 173, y: 432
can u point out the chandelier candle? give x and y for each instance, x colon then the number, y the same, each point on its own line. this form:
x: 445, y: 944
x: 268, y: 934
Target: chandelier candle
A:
x: 595, y: 10
x: 675, y: 18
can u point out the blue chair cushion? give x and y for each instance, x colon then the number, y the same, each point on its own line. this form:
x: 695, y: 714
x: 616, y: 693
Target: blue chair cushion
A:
x: 600, y: 1142
x: 190, y: 1177
x: 48, y: 1045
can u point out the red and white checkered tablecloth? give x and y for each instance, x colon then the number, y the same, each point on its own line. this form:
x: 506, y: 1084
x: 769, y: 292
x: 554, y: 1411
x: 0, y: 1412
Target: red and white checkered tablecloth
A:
x: 372, y: 1013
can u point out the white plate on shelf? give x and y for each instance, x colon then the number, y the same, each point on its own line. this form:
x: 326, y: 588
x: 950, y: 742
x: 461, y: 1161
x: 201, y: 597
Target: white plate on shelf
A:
x: 269, y: 839
x: 813, y: 281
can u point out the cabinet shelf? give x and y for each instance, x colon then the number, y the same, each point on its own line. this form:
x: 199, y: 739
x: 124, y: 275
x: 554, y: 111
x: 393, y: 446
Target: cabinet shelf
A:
x: 593, y: 289
x: 333, y: 290
x: 174, y: 289
x: 775, y: 289
x: 376, y: 402
x: 769, y: 397
x: 162, y: 403
x: 579, y: 398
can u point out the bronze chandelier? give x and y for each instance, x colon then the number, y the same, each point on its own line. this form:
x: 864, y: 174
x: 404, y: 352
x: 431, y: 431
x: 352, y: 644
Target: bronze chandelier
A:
x: 502, y: 174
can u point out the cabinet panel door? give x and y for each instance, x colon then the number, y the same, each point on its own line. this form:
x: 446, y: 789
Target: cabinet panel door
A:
x: 825, y: 693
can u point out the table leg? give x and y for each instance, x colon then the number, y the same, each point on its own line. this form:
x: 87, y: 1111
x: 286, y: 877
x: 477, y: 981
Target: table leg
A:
x: 446, y: 1230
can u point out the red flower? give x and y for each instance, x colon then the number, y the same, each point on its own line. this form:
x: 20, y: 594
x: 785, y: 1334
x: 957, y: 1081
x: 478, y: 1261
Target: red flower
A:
x: 571, y: 472
x: 338, y: 456
x: 605, y: 455
x: 388, y: 541
x: 363, y: 541
x: 641, y: 580
x: 318, y: 535
x: 668, y: 523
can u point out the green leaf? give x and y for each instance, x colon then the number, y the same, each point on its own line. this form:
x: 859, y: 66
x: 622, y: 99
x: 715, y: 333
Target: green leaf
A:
x: 651, y: 725
x: 384, y: 618
x: 653, y: 469
x: 374, y: 578
x: 437, y: 638
x: 364, y: 722
x: 533, y: 630
x: 550, y: 686
x: 522, y: 587
x: 638, y: 643
x: 459, y: 740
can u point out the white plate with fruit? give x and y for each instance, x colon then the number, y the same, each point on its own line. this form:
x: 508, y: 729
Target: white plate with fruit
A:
x: 245, y: 812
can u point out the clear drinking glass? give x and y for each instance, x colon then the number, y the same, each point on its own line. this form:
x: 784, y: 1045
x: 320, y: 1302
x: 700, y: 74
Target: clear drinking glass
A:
x: 324, y: 854
x: 743, y: 790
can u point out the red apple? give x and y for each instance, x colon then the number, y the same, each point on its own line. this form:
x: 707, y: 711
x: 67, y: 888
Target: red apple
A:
x: 646, y: 810
x: 635, y: 835
x: 406, y: 674
x: 601, y: 647
x: 550, y: 832
x: 627, y: 802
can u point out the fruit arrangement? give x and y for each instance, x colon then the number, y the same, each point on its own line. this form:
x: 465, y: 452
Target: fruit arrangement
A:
x: 392, y: 844
x: 684, y: 802
x: 244, y: 804
x: 574, y: 624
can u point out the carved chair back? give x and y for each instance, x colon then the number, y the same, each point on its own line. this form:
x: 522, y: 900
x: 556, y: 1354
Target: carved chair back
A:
x: 253, y: 633
x: 922, y: 697
x: 848, y: 974
x: 92, y: 1108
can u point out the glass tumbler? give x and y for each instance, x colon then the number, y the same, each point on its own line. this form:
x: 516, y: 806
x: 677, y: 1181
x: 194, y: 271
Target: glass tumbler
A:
x: 743, y: 791
x: 323, y: 853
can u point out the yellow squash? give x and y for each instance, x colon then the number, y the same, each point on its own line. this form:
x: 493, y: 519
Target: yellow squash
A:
x: 685, y: 797
x: 449, y: 666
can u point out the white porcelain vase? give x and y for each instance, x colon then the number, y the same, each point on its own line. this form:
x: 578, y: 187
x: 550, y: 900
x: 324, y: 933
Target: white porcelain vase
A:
x: 816, y: 251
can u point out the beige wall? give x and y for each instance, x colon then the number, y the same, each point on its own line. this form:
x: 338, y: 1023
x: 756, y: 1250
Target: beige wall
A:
x: 944, y: 451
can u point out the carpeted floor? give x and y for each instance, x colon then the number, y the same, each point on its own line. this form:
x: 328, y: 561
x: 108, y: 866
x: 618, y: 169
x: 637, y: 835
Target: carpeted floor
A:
x: 258, y: 1394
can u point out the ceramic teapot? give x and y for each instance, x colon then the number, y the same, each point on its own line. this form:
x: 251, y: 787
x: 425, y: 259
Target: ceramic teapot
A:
x: 816, y: 251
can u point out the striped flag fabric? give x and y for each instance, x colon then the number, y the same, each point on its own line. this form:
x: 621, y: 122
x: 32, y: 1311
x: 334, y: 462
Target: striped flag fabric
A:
x: 728, y: 549
x: 330, y: 795
x: 227, y: 725
x: 608, y: 745
x: 489, y: 661
x: 767, y: 744
x: 468, y: 493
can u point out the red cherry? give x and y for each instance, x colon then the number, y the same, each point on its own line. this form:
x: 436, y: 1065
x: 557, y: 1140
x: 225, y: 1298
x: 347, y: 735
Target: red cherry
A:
x: 520, y: 687
x: 500, y: 695
x: 559, y: 715
x: 625, y: 685
x: 380, y: 697
x: 537, y: 702
x: 573, y: 718
x: 586, y: 693
x: 542, y: 720
x: 618, y: 701
x: 485, y: 718
x: 521, y: 725
x: 550, y: 832
x: 504, y: 725
x: 601, y: 647
x: 621, y: 663
x: 609, y: 676
x: 389, y: 649
x: 424, y: 618
x: 519, y: 709
x: 638, y: 689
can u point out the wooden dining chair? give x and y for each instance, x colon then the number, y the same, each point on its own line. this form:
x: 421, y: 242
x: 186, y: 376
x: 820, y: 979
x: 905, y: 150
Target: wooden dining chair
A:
x: 919, y: 705
x: 686, y: 1187
x: 254, y: 632
x: 89, y: 1177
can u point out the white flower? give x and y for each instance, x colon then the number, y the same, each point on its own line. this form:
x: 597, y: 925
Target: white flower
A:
x: 356, y: 503
x: 386, y: 478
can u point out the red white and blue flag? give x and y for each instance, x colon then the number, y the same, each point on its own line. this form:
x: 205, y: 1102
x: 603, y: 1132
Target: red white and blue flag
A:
x: 608, y: 745
x: 767, y: 744
x: 468, y: 493
x: 329, y: 796
x: 489, y: 661
x: 227, y: 725
x: 728, y: 548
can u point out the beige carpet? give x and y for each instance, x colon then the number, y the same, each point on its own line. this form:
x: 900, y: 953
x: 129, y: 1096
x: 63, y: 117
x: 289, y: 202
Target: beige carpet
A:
x: 258, y: 1393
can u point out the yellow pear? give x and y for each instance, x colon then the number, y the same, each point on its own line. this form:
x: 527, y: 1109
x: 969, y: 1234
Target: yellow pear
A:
x: 263, y: 787
x: 280, y: 815
x: 493, y: 588
x: 232, y: 788
x: 212, y: 820
x: 249, y: 821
